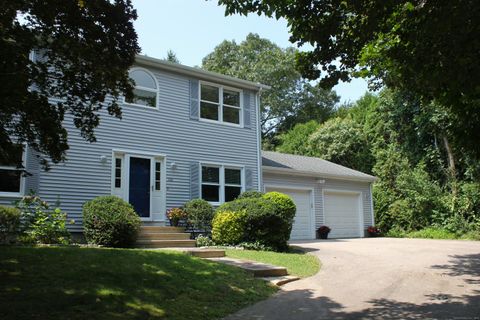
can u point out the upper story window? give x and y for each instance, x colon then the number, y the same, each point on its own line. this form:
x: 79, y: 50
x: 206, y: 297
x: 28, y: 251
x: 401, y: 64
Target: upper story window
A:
x: 11, y: 176
x: 221, y: 183
x: 146, y: 89
x: 218, y: 103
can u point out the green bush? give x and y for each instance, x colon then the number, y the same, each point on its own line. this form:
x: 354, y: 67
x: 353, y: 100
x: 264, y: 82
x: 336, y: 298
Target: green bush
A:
x: 200, y: 214
x: 204, y: 241
x: 9, y: 224
x: 250, y: 194
x: 432, y: 233
x: 110, y: 221
x: 285, y: 205
x: 268, y: 219
x: 41, y: 224
x: 228, y: 227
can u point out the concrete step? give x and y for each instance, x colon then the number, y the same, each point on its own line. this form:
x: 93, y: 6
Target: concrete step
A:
x: 164, y: 243
x: 258, y: 269
x: 161, y: 229
x: 163, y: 236
x: 206, y: 253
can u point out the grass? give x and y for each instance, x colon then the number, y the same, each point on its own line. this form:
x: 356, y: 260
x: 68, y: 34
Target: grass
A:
x: 298, y: 264
x: 434, y: 233
x: 91, y: 283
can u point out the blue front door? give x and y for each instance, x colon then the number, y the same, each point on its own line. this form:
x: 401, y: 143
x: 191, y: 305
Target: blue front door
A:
x: 139, y: 189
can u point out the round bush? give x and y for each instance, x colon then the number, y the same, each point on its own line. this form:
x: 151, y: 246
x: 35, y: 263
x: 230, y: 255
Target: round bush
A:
x: 285, y: 205
x: 9, y: 223
x: 200, y: 213
x: 250, y: 194
x: 110, y: 221
x: 228, y: 227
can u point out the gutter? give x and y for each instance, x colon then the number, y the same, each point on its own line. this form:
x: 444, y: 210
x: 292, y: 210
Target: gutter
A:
x: 199, y: 73
x: 317, y: 174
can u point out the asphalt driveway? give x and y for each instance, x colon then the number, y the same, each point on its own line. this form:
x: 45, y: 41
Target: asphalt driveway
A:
x: 381, y: 278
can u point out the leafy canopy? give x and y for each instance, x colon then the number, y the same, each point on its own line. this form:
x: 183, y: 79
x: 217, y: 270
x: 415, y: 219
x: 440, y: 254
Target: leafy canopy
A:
x: 84, y: 50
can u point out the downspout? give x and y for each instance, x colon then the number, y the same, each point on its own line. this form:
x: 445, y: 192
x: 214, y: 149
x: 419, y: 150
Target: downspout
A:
x: 259, y: 140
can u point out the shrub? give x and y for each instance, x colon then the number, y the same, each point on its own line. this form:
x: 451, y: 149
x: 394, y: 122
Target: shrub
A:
x: 110, y: 221
x: 228, y: 227
x: 285, y: 205
x: 9, y: 223
x: 40, y: 224
x: 250, y: 194
x: 200, y: 214
x: 203, y: 241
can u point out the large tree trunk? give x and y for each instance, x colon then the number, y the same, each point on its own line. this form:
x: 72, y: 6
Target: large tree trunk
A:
x: 452, y: 170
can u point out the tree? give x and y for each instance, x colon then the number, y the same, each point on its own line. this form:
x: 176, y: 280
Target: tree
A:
x: 83, y: 52
x: 295, y: 141
x: 172, y: 57
x: 290, y: 100
x: 427, y: 48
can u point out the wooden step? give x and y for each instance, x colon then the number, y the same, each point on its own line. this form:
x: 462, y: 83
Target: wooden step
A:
x: 161, y: 229
x: 165, y: 243
x: 163, y: 236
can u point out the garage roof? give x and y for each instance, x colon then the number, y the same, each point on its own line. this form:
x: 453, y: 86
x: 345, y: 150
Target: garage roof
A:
x: 301, y: 165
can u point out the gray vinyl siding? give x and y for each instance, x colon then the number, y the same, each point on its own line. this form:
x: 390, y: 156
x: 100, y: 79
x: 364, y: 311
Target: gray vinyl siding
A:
x: 311, y: 182
x: 167, y: 131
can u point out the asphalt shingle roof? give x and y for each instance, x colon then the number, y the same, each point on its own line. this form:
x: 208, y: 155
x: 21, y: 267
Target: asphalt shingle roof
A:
x: 316, y: 166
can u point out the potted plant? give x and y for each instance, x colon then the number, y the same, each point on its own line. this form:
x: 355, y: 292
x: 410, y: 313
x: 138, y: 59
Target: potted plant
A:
x: 175, y: 215
x: 373, y: 231
x: 322, y: 232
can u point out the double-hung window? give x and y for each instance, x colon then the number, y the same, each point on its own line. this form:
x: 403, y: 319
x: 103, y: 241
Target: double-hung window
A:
x: 218, y: 103
x: 221, y: 183
x: 146, y: 89
x: 10, y: 174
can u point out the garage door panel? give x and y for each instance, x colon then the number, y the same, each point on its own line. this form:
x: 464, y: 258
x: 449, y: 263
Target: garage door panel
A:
x: 342, y: 215
x: 302, y: 223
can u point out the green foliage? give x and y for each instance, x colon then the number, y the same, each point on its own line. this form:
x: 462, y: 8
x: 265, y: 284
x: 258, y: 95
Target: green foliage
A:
x: 342, y: 141
x: 296, y: 140
x: 172, y: 57
x: 268, y: 219
x: 228, y: 227
x: 291, y: 98
x: 9, y: 224
x: 40, y: 223
x: 204, y: 241
x: 85, y: 49
x: 110, y: 221
x: 200, y: 213
x: 284, y: 205
x: 250, y: 194
x: 175, y: 215
x: 256, y: 246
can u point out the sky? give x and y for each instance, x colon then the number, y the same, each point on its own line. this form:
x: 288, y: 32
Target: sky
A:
x: 193, y: 28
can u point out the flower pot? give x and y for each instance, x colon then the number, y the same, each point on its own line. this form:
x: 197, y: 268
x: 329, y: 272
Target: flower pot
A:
x: 174, y: 222
x: 322, y: 235
x: 374, y: 234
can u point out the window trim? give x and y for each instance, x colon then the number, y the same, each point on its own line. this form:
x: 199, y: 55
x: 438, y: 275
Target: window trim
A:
x: 220, y: 104
x: 221, y: 184
x: 156, y: 91
x: 21, y: 192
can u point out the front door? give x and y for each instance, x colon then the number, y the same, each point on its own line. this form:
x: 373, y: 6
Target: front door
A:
x: 140, y: 185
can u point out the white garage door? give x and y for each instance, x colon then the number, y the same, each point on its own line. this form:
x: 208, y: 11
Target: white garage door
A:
x: 302, y: 225
x: 342, y: 214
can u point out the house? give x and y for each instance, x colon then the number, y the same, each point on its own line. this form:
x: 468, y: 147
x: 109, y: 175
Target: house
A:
x: 189, y: 133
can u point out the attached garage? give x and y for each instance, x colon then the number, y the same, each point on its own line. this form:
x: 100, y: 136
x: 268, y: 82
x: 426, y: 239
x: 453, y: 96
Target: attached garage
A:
x: 324, y: 193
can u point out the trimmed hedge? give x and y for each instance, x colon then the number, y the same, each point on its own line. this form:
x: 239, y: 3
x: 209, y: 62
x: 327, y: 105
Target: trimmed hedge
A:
x: 9, y: 223
x: 250, y: 194
x: 110, y: 221
x: 200, y: 214
x: 268, y: 220
x: 228, y: 227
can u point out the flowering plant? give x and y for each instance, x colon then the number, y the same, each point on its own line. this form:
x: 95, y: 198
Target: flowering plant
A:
x: 175, y: 215
x: 324, y: 229
x: 373, y: 229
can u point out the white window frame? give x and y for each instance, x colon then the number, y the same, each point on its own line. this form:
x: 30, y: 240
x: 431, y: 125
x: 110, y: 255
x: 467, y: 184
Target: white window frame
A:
x: 221, y: 183
x: 220, y: 104
x: 156, y: 91
x: 21, y: 192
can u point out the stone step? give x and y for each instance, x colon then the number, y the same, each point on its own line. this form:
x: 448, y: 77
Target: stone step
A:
x: 161, y: 229
x: 164, y: 243
x: 206, y: 253
x: 163, y: 236
x: 258, y: 269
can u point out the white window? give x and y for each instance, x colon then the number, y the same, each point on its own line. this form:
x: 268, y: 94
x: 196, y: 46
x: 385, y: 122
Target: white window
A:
x: 118, y: 172
x: 11, y: 176
x: 218, y: 103
x: 146, y: 89
x: 221, y: 183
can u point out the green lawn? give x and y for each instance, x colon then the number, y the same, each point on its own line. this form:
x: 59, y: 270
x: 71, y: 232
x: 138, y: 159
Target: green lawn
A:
x: 89, y: 283
x: 298, y: 264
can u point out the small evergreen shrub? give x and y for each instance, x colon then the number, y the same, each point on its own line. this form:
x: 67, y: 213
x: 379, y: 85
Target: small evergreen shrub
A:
x: 110, y: 221
x: 200, y: 214
x: 285, y: 205
x: 9, y: 224
x: 228, y: 227
x: 250, y: 194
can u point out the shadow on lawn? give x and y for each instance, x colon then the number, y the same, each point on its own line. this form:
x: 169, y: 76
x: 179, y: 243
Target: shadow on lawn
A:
x: 302, y: 304
x: 81, y: 283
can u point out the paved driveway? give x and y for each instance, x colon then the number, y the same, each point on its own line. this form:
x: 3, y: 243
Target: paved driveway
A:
x: 380, y: 278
